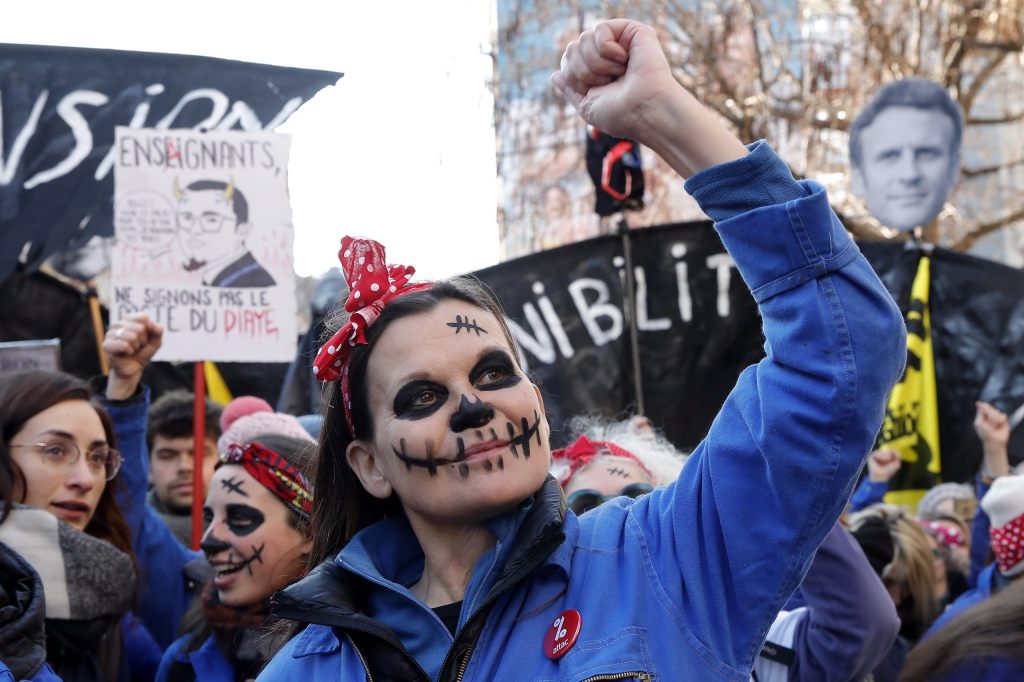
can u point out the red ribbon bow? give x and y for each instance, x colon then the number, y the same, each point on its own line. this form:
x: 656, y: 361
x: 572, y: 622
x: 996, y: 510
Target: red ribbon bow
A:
x: 274, y: 473
x: 372, y: 284
x: 583, y: 451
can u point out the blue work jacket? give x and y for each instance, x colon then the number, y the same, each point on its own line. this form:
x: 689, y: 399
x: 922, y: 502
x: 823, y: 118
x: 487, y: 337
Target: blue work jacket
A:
x: 164, y: 591
x: 683, y: 583
x: 207, y: 661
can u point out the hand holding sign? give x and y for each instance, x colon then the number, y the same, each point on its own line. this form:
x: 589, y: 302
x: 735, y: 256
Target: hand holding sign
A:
x: 619, y: 80
x: 130, y: 345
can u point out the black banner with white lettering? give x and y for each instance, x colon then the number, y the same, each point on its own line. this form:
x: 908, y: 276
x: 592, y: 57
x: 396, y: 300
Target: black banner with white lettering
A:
x: 58, y: 110
x: 699, y: 327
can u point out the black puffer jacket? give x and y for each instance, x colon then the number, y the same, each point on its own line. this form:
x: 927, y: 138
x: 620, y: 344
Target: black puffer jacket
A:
x: 22, y: 616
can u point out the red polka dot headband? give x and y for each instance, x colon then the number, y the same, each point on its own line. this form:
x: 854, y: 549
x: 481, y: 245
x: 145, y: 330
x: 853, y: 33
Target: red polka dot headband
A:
x: 584, y: 451
x: 372, y: 285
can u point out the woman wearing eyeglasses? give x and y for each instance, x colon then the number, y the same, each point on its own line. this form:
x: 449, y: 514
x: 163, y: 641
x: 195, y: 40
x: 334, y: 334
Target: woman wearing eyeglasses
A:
x: 60, y: 514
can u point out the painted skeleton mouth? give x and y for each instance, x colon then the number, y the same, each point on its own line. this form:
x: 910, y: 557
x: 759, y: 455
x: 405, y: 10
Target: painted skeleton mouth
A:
x: 519, y: 444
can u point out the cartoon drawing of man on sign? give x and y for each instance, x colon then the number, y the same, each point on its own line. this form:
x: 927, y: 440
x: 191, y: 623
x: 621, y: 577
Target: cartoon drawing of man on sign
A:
x: 213, y: 222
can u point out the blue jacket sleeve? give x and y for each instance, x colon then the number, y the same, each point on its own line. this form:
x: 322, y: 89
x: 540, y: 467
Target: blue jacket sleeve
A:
x: 979, y: 534
x: 733, y: 536
x: 867, y: 494
x: 163, y: 590
x: 850, y: 622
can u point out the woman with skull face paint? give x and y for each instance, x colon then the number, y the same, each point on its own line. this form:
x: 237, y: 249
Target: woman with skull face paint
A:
x: 444, y: 551
x: 257, y: 540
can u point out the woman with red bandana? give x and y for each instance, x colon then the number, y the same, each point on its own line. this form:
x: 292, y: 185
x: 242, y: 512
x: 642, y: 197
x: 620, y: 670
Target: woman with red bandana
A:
x: 257, y: 538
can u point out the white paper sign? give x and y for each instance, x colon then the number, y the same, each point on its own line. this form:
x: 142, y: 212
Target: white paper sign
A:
x: 204, y: 242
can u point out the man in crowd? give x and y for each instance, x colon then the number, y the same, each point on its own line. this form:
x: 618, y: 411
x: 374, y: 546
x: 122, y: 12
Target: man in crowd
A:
x: 905, y: 152
x: 170, y: 439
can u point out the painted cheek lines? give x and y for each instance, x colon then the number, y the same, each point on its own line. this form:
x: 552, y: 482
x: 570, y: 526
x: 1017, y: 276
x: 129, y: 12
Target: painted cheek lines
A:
x: 522, y: 440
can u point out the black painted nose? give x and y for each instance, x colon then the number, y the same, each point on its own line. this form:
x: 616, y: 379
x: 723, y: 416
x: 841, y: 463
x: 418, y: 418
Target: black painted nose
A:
x: 471, y: 415
x: 211, y: 544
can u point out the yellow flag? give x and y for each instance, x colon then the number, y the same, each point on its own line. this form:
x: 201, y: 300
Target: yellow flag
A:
x: 216, y: 389
x: 911, y: 424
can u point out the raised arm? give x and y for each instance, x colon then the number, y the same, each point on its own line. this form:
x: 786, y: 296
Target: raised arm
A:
x: 850, y: 622
x: 163, y: 596
x: 882, y: 466
x: 733, y: 536
x: 993, y: 429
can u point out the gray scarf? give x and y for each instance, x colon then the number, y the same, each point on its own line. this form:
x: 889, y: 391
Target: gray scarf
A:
x: 83, y: 577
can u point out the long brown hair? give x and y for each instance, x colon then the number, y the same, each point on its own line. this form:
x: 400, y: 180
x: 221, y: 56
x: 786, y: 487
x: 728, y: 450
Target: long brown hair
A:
x: 349, y: 508
x: 990, y: 630
x: 23, y: 395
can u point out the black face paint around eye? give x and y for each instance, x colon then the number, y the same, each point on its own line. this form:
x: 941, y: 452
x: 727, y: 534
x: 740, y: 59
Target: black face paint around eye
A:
x: 233, y: 485
x: 471, y: 414
x: 494, y: 371
x: 461, y: 323
x: 517, y: 441
x: 407, y: 403
x: 616, y: 471
x: 243, y: 519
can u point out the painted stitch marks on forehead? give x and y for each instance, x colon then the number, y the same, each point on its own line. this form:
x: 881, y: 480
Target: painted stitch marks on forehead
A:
x: 616, y: 471
x: 233, y: 485
x: 461, y: 323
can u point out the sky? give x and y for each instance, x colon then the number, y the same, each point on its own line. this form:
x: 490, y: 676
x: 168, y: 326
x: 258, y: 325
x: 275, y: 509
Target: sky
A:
x: 400, y: 150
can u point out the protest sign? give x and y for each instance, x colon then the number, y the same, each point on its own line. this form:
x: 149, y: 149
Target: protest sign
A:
x: 19, y: 356
x: 58, y: 110
x: 204, y: 242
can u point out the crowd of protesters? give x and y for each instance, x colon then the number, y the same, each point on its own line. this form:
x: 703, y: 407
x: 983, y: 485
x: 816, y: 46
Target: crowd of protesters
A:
x: 422, y: 528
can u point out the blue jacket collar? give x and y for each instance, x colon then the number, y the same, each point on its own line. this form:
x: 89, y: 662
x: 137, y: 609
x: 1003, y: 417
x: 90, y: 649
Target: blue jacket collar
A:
x: 366, y: 585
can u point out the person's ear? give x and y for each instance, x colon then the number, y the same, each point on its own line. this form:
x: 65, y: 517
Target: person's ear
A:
x: 242, y: 230
x: 362, y: 459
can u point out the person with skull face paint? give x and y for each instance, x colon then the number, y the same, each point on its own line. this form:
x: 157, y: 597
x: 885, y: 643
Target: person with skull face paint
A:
x: 444, y: 550
x: 257, y: 539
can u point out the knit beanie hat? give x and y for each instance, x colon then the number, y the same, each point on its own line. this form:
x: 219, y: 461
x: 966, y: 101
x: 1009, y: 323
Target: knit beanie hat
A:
x: 927, y: 507
x: 1004, y: 504
x: 246, y: 417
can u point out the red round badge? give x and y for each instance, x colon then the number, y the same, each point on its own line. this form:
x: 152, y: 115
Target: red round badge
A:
x: 562, y: 634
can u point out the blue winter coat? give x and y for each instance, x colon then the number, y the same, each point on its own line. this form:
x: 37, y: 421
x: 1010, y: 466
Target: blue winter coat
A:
x: 207, y: 661
x: 163, y: 588
x: 683, y: 583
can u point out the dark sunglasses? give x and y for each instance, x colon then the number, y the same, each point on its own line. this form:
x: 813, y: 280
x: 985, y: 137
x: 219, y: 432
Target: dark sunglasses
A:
x: 586, y: 499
